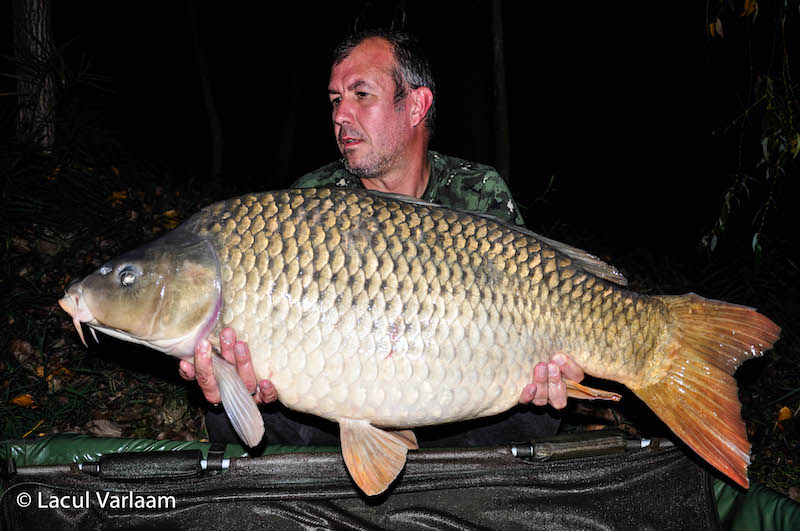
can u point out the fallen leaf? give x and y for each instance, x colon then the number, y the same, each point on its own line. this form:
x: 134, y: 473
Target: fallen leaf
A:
x: 25, y: 400
x: 21, y: 245
x: 784, y: 414
x: 24, y: 354
x: 104, y: 428
x: 49, y: 247
x: 55, y: 384
x: 54, y: 174
x: 31, y: 430
x: 750, y: 8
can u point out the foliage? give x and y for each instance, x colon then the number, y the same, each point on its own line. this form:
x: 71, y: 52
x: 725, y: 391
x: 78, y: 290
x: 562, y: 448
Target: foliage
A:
x: 768, y: 125
x: 63, y: 211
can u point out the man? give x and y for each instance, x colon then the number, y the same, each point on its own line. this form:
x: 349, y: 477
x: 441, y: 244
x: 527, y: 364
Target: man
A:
x: 382, y: 97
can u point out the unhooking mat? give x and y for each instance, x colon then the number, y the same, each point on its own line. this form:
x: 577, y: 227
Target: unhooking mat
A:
x: 178, y: 485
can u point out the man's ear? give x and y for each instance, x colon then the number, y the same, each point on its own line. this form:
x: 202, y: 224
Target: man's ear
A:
x: 421, y: 101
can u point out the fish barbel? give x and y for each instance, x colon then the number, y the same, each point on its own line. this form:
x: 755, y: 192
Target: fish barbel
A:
x: 383, y: 313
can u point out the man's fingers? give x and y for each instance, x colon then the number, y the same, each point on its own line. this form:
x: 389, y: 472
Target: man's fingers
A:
x: 186, y: 370
x: 547, y: 386
x: 541, y: 381
x: 227, y: 339
x: 267, y: 392
x: 204, y: 372
x: 244, y: 366
x: 556, y: 388
x: 569, y: 369
x: 526, y: 397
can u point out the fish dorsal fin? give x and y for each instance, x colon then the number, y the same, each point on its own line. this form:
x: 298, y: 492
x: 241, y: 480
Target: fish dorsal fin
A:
x: 374, y: 457
x: 239, y: 404
x: 587, y: 261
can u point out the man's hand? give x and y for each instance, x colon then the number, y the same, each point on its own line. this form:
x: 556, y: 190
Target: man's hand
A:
x: 548, y: 385
x: 237, y: 353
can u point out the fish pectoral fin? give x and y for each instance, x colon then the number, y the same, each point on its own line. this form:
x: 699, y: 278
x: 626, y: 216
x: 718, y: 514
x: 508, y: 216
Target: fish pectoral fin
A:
x: 576, y: 390
x: 239, y: 404
x: 374, y: 457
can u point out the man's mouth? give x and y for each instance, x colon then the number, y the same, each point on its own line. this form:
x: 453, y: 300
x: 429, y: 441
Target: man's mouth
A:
x: 347, y: 140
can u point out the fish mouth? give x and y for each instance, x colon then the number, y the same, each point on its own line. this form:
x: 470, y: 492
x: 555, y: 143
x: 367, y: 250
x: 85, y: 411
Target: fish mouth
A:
x: 72, y: 303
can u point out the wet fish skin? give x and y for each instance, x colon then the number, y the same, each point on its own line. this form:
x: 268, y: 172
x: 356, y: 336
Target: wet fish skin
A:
x: 372, y: 310
x: 409, y: 314
x: 434, y: 329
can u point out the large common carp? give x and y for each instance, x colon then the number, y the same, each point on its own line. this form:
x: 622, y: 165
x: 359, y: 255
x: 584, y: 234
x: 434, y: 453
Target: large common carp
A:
x: 383, y: 313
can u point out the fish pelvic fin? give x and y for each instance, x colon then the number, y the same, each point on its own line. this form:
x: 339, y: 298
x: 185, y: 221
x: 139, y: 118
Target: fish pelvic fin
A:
x: 582, y: 392
x: 374, y: 457
x: 697, y: 398
x: 239, y: 404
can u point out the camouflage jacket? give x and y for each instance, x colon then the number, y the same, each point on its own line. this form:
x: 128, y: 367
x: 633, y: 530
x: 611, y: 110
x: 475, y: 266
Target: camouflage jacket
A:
x: 454, y: 183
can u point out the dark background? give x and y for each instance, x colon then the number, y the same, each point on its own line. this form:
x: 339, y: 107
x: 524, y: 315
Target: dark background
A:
x: 618, y: 102
x: 627, y: 128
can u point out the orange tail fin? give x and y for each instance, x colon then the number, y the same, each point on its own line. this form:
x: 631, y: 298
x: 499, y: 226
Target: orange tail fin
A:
x: 698, y: 398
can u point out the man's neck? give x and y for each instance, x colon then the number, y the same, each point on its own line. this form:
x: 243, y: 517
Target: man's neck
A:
x: 411, y: 179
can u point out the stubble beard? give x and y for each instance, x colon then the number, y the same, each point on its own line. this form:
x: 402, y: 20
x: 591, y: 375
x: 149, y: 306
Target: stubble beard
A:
x: 373, y: 167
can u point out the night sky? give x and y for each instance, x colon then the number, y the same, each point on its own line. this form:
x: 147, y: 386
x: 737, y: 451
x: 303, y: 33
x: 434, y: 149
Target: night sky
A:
x: 618, y: 102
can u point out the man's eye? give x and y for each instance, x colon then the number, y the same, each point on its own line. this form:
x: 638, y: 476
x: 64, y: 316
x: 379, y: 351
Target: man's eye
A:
x: 362, y: 95
x: 335, y: 101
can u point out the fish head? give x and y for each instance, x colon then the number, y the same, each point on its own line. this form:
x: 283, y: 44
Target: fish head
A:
x: 165, y: 294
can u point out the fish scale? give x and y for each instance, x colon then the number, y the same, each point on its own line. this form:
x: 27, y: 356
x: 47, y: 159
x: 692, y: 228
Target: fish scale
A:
x: 375, y: 311
x: 470, y: 289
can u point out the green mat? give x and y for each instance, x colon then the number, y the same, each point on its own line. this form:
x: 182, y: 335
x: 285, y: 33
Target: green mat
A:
x: 757, y: 509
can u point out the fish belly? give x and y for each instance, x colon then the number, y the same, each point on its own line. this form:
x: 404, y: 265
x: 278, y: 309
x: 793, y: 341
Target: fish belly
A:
x: 411, y: 382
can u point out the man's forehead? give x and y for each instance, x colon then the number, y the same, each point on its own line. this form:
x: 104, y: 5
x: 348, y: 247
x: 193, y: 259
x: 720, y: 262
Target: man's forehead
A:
x: 369, y: 62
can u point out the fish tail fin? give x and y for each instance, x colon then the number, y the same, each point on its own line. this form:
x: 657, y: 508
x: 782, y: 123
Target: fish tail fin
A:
x: 697, y: 398
x: 239, y: 404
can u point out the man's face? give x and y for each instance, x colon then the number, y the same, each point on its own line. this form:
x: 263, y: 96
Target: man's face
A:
x: 371, y: 131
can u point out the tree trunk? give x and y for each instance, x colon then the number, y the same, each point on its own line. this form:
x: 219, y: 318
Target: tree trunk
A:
x: 34, y: 53
x: 214, y: 123
x: 502, y: 135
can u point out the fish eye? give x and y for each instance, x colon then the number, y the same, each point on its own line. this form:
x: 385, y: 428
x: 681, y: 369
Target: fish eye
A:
x: 127, y: 275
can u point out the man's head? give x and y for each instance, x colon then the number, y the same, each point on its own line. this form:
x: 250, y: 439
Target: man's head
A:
x: 382, y: 93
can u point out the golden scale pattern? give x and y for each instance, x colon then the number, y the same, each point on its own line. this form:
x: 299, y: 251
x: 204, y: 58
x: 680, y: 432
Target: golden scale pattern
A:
x: 362, y: 306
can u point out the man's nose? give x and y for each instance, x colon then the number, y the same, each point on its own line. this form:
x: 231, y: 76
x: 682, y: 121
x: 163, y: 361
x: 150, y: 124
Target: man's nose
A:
x: 343, y: 113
